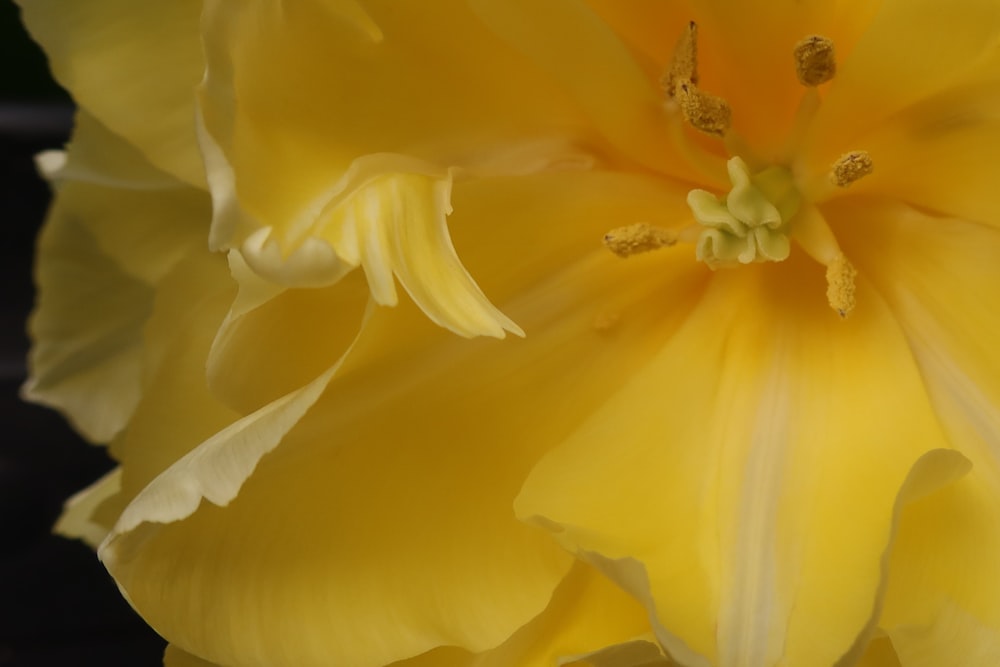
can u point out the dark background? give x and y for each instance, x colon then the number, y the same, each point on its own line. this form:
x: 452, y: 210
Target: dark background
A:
x: 58, y: 607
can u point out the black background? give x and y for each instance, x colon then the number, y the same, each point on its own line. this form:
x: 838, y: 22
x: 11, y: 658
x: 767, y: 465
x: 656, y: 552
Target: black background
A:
x: 58, y: 606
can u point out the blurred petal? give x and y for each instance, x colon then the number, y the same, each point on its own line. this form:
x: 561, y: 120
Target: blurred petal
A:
x: 98, y: 156
x: 78, y: 518
x: 940, y: 153
x: 743, y: 524
x: 86, y: 326
x: 912, y: 50
x: 880, y: 653
x: 175, y: 657
x: 941, y: 602
x: 568, y: 41
x: 943, y: 587
x: 190, y: 304
x: 128, y: 67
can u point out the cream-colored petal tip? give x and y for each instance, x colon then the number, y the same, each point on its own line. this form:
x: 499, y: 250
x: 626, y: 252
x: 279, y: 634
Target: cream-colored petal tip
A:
x: 78, y: 520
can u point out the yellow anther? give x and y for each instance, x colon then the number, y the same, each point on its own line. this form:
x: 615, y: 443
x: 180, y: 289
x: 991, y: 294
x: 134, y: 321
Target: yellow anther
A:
x: 840, y: 276
x: 704, y: 112
x: 815, y: 62
x: 638, y: 238
x: 850, y: 167
x: 684, y: 65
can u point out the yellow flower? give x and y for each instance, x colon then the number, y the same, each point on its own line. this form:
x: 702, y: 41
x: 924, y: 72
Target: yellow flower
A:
x: 765, y: 433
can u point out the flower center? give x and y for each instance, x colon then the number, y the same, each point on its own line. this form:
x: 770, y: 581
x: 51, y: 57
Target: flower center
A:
x: 764, y: 209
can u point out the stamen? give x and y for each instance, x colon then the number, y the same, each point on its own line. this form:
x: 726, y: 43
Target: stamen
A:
x: 708, y: 113
x: 840, y: 287
x: 638, y: 238
x: 813, y: 234
x: 704, y: 112
x: 684, y: 64
x: 815, y: 62
x: 851, y: 167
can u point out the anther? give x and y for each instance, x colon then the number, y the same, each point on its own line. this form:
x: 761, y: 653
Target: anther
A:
x: 684, y: 65
x: 815, y: 62
x: 638, y: 238
x: 707, y: 113
x: 851, y: 167
x: 840, y: 276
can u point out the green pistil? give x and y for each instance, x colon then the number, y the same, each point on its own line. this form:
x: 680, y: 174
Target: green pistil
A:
x: 750, y: 224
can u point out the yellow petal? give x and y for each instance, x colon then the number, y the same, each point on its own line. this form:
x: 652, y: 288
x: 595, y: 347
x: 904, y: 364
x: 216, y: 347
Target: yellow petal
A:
x: 374, y: 497
x: 404, y: 92
x: 879, y: 653
x: 588, y: 614
x: 588, y: 621
x: 175, y: 657
x: 733, y: 34
x: 86, y: 327
x: 940, y: 154
x: 722, y: 468
x: 941, y: 601
x: 128, y: 66
x: 912, y: 50
x: 291, y: 336
x: 117, y: 227
x: 80, y: 517
x: 567, y: 40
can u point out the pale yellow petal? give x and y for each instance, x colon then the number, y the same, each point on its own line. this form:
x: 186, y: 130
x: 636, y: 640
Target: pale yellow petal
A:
x: 190, y: 304
x: 79, y: 517
x: 97, y: 155
x: 86, y: 327
x: 752, y: 466
x: 128, y: 65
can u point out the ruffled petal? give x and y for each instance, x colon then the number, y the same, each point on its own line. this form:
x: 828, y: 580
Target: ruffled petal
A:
x: 190, y: 304
x: 759, y: 526
x: 82, y: 517
x: 126, y: 66
x: 373, y: 470
x: 86, y: 327
x: 117, y: 227
x: 941, y: 601
x: 402, y: 93
x: 292, y: 336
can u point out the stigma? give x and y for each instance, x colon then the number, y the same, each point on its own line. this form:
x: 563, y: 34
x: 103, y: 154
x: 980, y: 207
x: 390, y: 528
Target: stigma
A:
x: 749, y: 223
